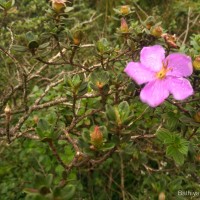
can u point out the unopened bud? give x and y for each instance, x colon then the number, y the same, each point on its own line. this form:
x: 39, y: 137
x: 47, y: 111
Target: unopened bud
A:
x: 7, y: 110
x: 99, y: 85
x: 58, y: 5
x: 35, y: 119
x: 77, y: 37
x: 96, y: 137
x: 170, y: 40
x: 124, y: 26
x: 149, y: 22
x: 196, y: 63
x: 156, y: 31
x: 125, y: 10
x: 161, y: 196
x: 197, y: 116
x: 197, y: 158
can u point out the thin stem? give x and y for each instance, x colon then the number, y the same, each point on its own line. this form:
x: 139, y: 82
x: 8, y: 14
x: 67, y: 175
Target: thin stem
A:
x: 188, y: 25
x: 55, y: 153
x: 122, y: 175
x: 8, y: 128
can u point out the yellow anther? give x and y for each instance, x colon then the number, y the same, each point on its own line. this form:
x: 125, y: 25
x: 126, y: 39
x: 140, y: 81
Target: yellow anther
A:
x: 162, y: 73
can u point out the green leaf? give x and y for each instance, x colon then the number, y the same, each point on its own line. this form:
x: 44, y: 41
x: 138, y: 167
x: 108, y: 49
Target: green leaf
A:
x: 43, y: 129
x: 30, y: 36
x: 100, y: 78
x: 164, y: 135
x: 86, y: 136
x: 83, y: 88
x: 175, y: 154
x: 8, y: 4
x: 110, y: 112
x: 178, y: 158
x: 184, y: 145
x: 185, y: 119
x: 44, y: 46
x: 31, y: 190
x: 124, y: 110
x: 19, y: 48
x: 103, y: 45
x: 68, y: 9
x: 172, y: 120
x: 65, y: 193
x: 107, y: 146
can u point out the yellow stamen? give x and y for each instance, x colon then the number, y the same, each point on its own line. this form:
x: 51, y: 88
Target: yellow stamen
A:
x: 162, y: 73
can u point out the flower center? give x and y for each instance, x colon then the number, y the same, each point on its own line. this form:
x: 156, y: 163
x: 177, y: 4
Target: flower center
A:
x: 162, y: 73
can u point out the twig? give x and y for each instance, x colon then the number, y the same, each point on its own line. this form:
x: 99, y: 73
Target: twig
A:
x: 122, y: 175
x: 55, y: 153
x: 139, y: 115
x: 8, y: 129
x: 134, y: 137
x: 105, y: 157
x: 144, y: 13
x: 193, y: 23
x: 12, y: 39
x: 178, y: 106
x: 188, y: 25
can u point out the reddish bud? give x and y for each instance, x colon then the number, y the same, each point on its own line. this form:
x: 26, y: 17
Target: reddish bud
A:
x: 124, y: 26
x: 170, y: 40
x: 99, y: 85
x: 96, y: 137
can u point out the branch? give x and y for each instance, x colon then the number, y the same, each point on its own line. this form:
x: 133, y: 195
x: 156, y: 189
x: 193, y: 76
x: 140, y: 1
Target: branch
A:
x: 188, y: 25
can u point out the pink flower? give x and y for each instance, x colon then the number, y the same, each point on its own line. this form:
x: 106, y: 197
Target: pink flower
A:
x: 163, y: 76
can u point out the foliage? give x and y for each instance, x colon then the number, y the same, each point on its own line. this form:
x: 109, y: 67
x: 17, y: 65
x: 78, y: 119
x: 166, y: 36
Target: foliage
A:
x: 72, y: 125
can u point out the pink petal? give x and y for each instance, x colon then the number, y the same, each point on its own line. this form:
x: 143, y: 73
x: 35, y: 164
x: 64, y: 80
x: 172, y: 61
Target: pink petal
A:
x: 181, y: 65
x: 139, y: 73
x: 152, y: 57
x: 154, y: 93
x: 180, y: 88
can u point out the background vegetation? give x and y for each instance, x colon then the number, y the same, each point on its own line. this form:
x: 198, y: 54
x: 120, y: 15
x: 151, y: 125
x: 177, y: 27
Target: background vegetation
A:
x: 71, y: 122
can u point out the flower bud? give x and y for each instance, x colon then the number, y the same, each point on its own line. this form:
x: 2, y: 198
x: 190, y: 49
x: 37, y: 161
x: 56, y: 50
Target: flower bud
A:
x: 125, y: 10
x: 99, y: 84
x: 77, y: 37
x: 156, y: 31
x: 149, y: 22
x: 161, y: 196
x: 58, y: 5
x: 124, y: 26
x: 197, y: 158
x: 170, y: 40
x: 7, y: 110
x: 196, y: 63
x: 35, y: 119
x: 96, y: 137
x: 197, y: 116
